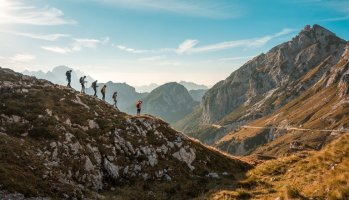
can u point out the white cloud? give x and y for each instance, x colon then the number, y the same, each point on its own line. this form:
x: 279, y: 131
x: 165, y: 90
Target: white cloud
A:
x: 248, y: 43
x: 77, y: 45
x: 186, y: 46
x: 153, y: 58
x: 190, y: 46
x: 138, y: 51
x: 47, y: 37
x: 201, y: 8
x: 131, y: 50
x: 17, y: 12
x: 23, y: 57
x: 56, y: 49
x: 19, y: 58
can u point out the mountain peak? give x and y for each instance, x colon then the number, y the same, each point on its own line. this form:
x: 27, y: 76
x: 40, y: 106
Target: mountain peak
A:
x: 317, y: 33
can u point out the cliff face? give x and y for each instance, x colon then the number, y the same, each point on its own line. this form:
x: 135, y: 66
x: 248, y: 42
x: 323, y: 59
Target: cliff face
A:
x: 60, y: 144
x: 281, y: 68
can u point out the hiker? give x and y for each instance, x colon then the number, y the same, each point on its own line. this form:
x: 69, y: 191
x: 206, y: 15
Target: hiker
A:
x: 139, y: 107
x: 82, y: 82
x: 68, y: 74
x: 115, y: 95
x: 94, y: 87
x: 103, y: 91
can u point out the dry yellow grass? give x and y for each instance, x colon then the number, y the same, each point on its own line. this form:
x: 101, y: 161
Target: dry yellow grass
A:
x: 307, y: 175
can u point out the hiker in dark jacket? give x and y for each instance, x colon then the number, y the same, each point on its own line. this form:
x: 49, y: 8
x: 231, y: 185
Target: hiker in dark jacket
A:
x: 103, y: 90
x: 82, y: 82
x: 94, y: 87
x: 115, y: 96
x: 139, y: 107
x: 68, y: 74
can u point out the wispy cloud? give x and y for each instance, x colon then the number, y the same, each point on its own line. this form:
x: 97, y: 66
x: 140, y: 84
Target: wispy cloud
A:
x: 201, y: 8
x: 17, y: 12
x: 190, y: 46
x: 19, y: 58
x: 186, y: 46
x: 46, y: 37
x: 153, y: 58
x: 247, y: 43
x: 139, y: 51
x: 77, y: 45
x: 22, y: 57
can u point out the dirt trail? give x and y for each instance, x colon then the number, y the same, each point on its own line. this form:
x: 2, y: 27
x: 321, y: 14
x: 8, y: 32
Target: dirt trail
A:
x: 296, y: 129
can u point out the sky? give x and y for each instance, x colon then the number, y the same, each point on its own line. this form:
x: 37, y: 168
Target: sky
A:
x: 155, y: 41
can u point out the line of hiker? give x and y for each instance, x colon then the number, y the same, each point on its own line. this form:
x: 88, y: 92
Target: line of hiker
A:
x: 103, y: 91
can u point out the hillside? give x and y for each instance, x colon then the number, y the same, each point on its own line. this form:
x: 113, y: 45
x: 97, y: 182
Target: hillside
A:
x: 60, y: 144
x: 298, y: 84
x: 306, y: 175
x: 170, y: 102
x: 127, y: 95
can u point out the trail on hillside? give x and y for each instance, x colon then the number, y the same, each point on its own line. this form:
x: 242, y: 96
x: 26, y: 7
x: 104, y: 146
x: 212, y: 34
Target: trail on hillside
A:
x: 296, y: 129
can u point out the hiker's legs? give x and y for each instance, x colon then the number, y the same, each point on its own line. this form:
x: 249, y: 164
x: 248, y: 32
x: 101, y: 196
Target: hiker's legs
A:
x: 95, y: 92
x: 103, y: 96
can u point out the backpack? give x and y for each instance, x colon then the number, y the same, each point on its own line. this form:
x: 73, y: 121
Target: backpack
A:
x: 81, y: 80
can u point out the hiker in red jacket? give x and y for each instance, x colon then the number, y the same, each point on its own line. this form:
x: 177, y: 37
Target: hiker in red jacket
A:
x: 139, y: 107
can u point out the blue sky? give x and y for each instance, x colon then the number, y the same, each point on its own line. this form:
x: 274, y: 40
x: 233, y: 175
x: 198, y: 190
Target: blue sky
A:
x: 155, y: 41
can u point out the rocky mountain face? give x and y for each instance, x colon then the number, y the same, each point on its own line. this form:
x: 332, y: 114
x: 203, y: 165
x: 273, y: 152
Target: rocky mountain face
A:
x: 170, y: 102
x: 197, y: 94
x: 59, y: 144
x: 193, y: 86
x: 57, y: 76
x: 312, y: 62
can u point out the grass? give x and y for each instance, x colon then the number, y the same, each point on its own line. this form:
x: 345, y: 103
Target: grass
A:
x: 313, y: 175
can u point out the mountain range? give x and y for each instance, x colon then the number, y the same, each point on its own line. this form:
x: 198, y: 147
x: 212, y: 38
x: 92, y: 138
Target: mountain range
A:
x: 57, y: 143
x: 165, y: 101
x: 284, y: 115
x: 295, y: 93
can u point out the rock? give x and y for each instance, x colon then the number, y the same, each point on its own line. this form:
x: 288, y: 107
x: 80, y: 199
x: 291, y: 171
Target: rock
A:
x: 49, y: 112
x: 213, y: 175
x: 88, y: 164
x: 92, y: 124
x: 111, y: 169
x: 184, y: 156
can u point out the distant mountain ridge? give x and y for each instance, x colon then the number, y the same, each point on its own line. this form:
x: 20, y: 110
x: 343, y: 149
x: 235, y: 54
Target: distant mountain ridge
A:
x: 57, y: 76
x: 181, y: 103
x: 193, y: 86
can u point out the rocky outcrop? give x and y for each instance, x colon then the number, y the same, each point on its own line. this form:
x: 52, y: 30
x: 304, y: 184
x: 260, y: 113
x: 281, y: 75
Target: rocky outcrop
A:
x: 76, y: 145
